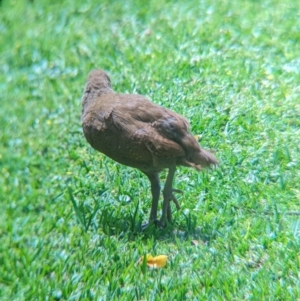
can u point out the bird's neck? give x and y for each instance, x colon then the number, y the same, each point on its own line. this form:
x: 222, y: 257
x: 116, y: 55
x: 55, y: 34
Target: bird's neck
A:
x: 89, y: 98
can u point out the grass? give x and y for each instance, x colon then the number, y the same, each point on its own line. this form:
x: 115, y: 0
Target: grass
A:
x: 70, y: 218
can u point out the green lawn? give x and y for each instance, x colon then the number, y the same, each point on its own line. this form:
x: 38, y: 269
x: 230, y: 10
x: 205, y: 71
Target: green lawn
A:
x: 70, y: 218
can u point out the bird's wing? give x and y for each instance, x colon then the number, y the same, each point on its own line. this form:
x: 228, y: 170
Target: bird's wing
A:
x: 171, y: 136
x: 170, y: 126
x: 147, y: 123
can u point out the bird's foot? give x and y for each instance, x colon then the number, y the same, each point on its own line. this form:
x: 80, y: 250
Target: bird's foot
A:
x: 173, y: 198
x: 169, y: 197
x: 154, y: 222
x: 166, y: 211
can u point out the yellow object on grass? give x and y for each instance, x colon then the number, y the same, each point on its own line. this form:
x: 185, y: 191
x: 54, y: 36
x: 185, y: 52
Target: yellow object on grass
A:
x: 154, y: 262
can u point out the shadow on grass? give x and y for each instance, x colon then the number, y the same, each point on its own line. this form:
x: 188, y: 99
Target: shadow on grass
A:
x: 93, y: 217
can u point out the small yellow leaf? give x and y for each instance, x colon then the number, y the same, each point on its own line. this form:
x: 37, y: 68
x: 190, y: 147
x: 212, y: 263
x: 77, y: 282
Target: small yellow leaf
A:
x: 155, y: 262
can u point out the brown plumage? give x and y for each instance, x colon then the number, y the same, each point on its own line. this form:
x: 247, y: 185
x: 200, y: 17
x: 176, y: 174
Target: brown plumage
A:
x: 133, y: 131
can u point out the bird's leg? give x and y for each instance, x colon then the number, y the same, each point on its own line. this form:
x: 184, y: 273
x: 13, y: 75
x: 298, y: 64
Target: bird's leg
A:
x: 169, y: 196
x: 169, y: 212
x: 155, y: 190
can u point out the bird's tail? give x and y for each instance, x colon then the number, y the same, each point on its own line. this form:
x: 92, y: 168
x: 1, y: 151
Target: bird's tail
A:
x: 200, y: 159
x: 206, y: 158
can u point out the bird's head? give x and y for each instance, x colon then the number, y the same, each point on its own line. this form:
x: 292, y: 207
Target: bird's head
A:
x: 97, y: 80
x: 98, y: 83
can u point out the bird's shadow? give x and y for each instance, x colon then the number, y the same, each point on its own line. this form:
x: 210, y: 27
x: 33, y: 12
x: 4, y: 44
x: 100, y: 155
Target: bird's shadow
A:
x: 132, y: 226
x: 94, y: 217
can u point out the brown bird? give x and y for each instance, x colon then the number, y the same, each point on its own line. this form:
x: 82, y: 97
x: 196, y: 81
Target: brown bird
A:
x: 133, y: 131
